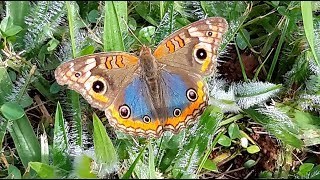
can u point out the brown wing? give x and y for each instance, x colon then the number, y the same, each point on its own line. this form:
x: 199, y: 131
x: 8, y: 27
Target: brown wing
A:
x: 98, y: 77
x: 194, y: 47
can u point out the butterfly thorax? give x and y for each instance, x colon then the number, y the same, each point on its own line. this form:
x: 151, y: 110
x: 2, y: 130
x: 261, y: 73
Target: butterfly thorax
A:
x: 150, y: 73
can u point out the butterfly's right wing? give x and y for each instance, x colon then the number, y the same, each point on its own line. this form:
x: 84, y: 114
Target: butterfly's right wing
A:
x: 98, y: 77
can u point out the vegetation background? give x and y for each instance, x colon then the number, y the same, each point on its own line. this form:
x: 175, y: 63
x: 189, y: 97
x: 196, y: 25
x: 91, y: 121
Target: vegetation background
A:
x: 262, y: 122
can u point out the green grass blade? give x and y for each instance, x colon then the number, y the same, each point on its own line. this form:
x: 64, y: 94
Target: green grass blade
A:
x: 277, y: 53
x: 72, y: 95
x: 60, y: 142
x: 243, y: 70
x: 103, y: 147
x: 128, y: 174
x: 113, y: 30
x: 161, y: 9
x: 71, y: 12
x: 152, y: 168
x: 306, y: 10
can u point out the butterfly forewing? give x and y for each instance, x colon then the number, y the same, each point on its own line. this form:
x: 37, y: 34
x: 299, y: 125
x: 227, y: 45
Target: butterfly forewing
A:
x: 194, y: 47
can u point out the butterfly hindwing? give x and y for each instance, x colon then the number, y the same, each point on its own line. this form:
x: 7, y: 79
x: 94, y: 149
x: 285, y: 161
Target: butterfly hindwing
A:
x: 186, y: 98
x: 132, y: 111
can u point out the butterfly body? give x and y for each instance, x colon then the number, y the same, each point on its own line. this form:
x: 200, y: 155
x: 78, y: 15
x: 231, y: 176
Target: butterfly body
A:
x: 154, y: 92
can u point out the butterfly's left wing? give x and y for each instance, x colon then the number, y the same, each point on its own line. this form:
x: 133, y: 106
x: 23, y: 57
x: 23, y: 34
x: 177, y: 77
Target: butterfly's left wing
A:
x: 194, y: 47
x: 98, y: 77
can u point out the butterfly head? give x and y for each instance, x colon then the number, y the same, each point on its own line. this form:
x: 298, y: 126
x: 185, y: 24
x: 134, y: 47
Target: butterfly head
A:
x: 145, y: 51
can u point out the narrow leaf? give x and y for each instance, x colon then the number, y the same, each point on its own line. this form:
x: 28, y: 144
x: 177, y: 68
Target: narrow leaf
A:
x: 306, y: 10
x: 128, y: 174
x: 113, y: 31
x: 60, y: 142
x: 103, y: 147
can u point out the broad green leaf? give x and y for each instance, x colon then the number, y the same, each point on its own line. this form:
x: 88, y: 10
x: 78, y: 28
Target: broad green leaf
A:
x: 18, y: 10
x: 55, y: 88
x: 12, y: 30
x: 83, y: 167
x: 6, y: 23
x: 25, y: 140
x: 14, y: 172
x: 305, y: 168
x: 233, y: 131
x: 314, y: 173
x: 253, y: 149
x: 5, y: 85
x: 93, y: 16
x: 146, y: 33
x: 47, y: 171
x: 250, y: 163
x: 61, y: 157
x: 103, y: 147
x: 87, y: 50
x: 265, y: 175
x: 210, y: 165
x: 224, y: 141
x: 12, y: 111
x: 53, y: 43
x: 3, y: 129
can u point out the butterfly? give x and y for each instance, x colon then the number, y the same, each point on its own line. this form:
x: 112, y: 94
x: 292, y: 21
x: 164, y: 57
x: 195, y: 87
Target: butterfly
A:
x: 154, y: 92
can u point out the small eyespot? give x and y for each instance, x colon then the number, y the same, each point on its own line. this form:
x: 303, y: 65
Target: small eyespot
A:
x: 192, y: 95
x: 124, y: 111
x: 209, y: 33
x: 78, y: 74
x: 146, y: 119
x: 98, y: 86
x: 176, y: 112
x: 201, y: 54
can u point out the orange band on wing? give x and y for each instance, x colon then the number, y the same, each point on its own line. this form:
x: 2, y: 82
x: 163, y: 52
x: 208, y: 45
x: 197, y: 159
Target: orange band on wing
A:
x: 108, y: 62
x: 195, y: 108
x: 131, y: 126
x: 171, y: 47
x: 119, y: 62
x: 180, y: 41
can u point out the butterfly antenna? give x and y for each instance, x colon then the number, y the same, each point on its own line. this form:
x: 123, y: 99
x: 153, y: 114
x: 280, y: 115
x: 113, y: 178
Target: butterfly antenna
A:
x: 132, y: 31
